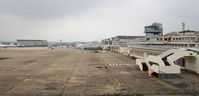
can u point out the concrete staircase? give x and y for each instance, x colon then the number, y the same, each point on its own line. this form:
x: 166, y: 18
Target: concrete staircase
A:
x: 163, y: 63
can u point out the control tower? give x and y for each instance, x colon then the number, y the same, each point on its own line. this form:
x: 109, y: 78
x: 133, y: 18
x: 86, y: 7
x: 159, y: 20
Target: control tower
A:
x: 153, y: 31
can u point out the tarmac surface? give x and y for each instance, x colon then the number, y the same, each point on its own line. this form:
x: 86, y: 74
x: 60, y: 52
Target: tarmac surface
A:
x: 75, y: 73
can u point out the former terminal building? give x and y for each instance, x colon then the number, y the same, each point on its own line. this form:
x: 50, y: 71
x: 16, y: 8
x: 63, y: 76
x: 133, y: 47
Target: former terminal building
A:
x: 155, y: 44
x: 154, y: 36
x: 121, y: 40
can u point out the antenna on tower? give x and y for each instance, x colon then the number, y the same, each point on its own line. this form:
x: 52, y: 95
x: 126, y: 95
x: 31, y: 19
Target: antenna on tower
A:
x: 183, y: 26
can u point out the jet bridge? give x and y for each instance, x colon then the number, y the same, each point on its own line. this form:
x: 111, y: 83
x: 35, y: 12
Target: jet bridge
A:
x: 163, y: 63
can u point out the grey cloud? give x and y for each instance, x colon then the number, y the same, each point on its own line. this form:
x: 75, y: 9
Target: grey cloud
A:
x: 46, y: 8
x: 87, y: 20
x: 183, y: 8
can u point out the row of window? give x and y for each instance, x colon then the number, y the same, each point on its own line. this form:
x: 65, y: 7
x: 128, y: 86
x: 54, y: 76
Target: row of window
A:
x: 179, y: 39
x: 184, y: 45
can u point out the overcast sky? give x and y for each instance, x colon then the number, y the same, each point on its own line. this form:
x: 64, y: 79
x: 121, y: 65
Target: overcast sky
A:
x: 89, y: 20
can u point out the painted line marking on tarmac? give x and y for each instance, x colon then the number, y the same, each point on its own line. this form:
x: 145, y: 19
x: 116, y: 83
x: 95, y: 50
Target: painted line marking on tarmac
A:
x: 120, y: 64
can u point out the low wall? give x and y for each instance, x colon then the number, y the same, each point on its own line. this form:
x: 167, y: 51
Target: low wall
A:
x: 134, y: 52
x: 191, y: 63
x: 143, y: 53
